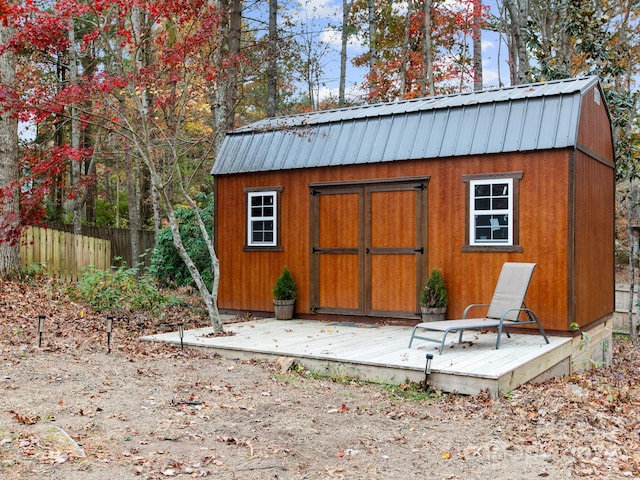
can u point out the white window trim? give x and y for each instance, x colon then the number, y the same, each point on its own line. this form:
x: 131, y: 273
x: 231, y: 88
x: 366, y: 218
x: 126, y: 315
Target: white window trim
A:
x: 251, y: 219
x: 508, y: 211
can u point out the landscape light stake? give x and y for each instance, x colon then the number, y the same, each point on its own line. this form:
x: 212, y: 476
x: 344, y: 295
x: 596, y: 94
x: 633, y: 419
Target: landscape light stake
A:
x: 427, y: 371
x: 181, y: 333
x: 40, y: 329
x: 109, y: 330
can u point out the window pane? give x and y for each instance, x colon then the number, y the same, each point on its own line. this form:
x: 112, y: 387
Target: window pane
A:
x: 483, y: 220
x: 502, y: 234
x: 262, y: 231
x: 500, y: 203
x: 483, y: 234
x: 483, y: 204
x: 500, y: 189
x: 482, y: 190
x: 492, y: 228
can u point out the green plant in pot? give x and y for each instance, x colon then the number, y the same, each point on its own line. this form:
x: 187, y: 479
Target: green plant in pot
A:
x: 285, y: 292
x: 433, y: 298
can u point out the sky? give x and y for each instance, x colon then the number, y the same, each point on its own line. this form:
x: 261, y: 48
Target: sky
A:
x: 321, y: 14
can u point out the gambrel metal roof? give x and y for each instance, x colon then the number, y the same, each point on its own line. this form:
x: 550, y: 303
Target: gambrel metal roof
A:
x: 524, y: 117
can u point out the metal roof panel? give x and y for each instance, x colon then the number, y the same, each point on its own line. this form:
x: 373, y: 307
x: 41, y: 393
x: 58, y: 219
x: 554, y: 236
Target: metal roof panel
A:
x: 524, y: 117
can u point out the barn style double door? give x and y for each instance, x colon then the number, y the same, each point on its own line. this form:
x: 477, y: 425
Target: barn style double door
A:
x: 368, y: 247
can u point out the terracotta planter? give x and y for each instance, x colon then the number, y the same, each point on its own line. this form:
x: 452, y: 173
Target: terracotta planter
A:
x: 433, y: 314
x: 283, y: 309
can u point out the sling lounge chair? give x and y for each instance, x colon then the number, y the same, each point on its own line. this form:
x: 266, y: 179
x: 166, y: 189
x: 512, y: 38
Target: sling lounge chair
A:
x: 504, y: 311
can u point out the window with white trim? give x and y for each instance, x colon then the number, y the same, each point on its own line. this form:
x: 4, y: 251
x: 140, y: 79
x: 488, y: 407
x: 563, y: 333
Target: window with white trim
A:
x: 491, y: 217
x: 262, y: 220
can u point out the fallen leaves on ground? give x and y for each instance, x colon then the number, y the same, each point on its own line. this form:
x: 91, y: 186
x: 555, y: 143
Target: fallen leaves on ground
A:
x: 149, y: 410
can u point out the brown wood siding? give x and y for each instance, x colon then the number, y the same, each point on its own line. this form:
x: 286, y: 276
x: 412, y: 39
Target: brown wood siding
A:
x: 594, y: 240
x: 247, y: 277
x: 594, y: 131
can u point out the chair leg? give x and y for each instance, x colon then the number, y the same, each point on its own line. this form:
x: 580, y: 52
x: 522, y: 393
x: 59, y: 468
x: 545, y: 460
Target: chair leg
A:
x: 412, y: 334
x: 542, y: 332
x: 444, y: 337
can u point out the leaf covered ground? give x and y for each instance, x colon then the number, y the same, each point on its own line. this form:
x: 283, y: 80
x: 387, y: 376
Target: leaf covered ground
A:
x: 71, y: 410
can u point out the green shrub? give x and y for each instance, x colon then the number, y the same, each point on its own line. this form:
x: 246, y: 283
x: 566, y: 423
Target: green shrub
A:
x: 120, y: 288
x: 285, y: 287
x: 166, y: 265
x: 107, y: 212
x: 434, y: 293
x: 33, y: 274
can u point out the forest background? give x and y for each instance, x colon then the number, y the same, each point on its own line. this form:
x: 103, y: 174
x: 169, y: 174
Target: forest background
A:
x: 112, y: 111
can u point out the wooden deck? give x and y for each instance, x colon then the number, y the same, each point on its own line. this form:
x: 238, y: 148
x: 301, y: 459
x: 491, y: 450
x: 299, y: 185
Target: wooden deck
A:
x: 380, y: 353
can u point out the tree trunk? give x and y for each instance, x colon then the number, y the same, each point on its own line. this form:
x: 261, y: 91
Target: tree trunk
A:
x: 405, y: 50
x: 234, y: 35
x: 9, y: 166
x: 135, y: 222
x: 565, y: 37
x: 343, y: 52
x: 373, y: 50
x: 132, y: 181
x: 90, y: 138
x: 477, y: 45
x: 223, y: 92
x: 57, y: 195
x: 76, y: 166
x: 427, y: 53
x: 633, y: 255
x: 272, y: 66
x: 209, y: 296
x: 518, y: 12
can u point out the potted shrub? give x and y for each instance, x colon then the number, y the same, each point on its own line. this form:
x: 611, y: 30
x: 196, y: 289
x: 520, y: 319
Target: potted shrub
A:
x: 285, y: 292
x: 433, y: 298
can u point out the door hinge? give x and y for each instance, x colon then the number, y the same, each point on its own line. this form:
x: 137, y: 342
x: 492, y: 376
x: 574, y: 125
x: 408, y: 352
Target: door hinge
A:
x: 419, y: 250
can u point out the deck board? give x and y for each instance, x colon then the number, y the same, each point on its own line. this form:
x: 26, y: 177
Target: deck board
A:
x: 380, y: 353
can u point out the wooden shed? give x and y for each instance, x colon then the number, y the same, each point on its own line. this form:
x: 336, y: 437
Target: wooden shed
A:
x: 361, y: 203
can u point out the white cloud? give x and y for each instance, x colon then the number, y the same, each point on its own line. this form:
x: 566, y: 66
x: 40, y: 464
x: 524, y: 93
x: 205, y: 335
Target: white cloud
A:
x: 353, y: 93
x: 333, y: 37
x: 489, y: 77
x: 487, y: 45
x: 318, y: 9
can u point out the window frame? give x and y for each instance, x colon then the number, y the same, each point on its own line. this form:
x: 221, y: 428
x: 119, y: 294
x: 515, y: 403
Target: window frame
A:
x: 250, y: 193
x: 472, y: 245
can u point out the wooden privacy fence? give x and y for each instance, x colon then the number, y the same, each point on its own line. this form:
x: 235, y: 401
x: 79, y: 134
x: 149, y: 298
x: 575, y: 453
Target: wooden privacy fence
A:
x: 120, y: 239
x: 621, y: 314
x: 63, y: 254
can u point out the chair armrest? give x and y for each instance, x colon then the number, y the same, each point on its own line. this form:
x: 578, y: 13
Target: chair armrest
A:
x: 473, y: 305
x: 528, y: 311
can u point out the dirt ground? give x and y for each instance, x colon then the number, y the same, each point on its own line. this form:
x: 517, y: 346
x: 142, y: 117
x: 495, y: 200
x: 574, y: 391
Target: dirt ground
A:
x: 71, y: 410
